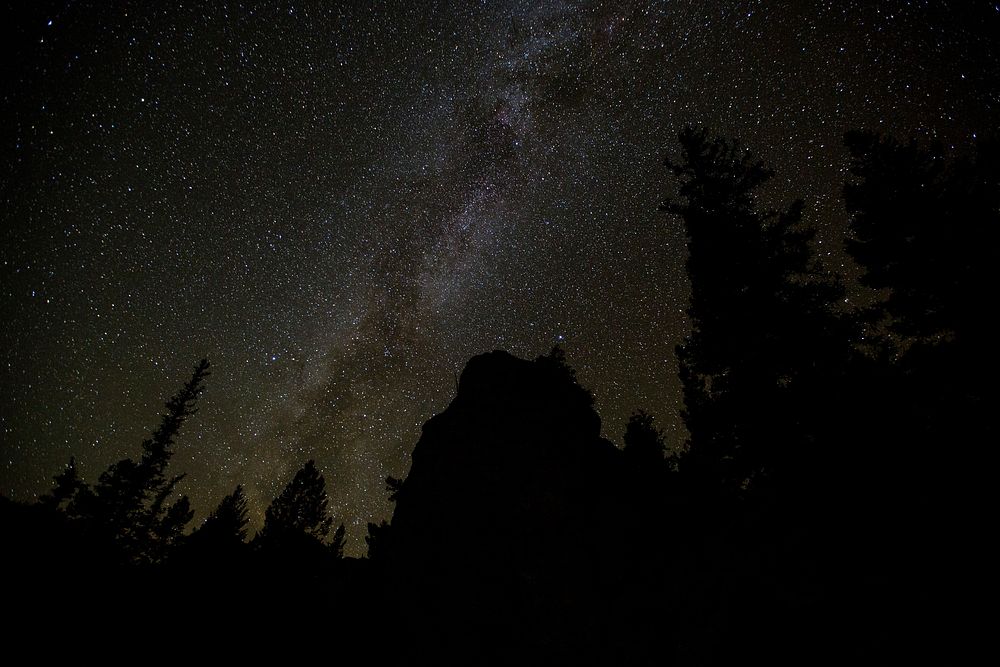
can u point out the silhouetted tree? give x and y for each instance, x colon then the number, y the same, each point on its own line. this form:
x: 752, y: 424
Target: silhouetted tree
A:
x: 297, y: 520
x: 129, y: 504
x: 555, y: 363
x: 379, y: 534
x: 67, y: 484
x: 762, y: 327
x: 925, y: 227
x: 643, y: 441
x: 227, y: 524
x: 337, y: 542
x: 377, y: 539
x: 393, y: 486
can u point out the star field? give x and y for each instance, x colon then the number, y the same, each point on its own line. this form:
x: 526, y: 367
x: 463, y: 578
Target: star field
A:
x: 339, y: 203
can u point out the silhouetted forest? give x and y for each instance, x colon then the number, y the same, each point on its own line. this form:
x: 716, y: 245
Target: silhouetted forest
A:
x: 830, y: 476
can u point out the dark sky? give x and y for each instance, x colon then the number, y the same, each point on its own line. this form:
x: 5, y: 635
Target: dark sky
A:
x: 339, y: 203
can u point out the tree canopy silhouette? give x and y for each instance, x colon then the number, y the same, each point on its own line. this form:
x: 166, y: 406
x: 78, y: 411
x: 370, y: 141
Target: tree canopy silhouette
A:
x: 924, y: 227
x: 298, y: 518
x: 67, y: 484
x: 227, y: 524
x: 130, y: 505
x: 761, y: 324
x: 643, y: 441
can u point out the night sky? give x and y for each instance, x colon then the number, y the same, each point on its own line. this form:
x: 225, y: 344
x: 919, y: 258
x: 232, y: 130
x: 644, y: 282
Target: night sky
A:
x: 339, y: 203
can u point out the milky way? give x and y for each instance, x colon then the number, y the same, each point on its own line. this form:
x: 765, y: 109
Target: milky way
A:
x: 339, y: 203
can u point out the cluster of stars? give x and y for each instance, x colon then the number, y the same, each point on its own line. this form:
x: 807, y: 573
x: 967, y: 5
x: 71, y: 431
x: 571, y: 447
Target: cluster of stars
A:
x: 339, y: 203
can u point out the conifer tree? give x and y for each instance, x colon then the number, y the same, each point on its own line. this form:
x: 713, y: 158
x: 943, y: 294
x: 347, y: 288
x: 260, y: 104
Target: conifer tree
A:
x: 643, y: 441
x: 130, y: 505
x: 298, y: 518
x: 227, y: 524
x: 67, y: 484
x: 338, y: 541
x: 377, y: 539
x: 925, y: 228
x: 761, y: 326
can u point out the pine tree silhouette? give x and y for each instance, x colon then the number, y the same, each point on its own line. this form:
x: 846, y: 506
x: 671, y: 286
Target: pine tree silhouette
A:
x: 67, y: 484
x: 643, y: 441
x: 377, y: 539
x: 297, y: 521
x: 762, y: 328
x: 337, y: 542
x: 129, y: 504
x: 924, y: 227
x: 227, y: 524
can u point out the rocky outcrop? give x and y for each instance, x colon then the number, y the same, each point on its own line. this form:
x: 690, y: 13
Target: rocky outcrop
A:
x: 505, y: 525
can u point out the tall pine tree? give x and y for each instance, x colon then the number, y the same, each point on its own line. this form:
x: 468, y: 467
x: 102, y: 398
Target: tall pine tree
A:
x: 130, y: 504
x: 762, y: 333
x: 298, y: 522
x: 925, y: 229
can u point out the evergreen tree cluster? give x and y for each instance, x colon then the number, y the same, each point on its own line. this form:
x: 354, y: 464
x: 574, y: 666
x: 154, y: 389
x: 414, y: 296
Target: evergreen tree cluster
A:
x: 132, y: 526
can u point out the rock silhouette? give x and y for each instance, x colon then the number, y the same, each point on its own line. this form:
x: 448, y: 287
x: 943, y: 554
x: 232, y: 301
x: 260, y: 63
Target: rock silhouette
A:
x: 500, y: 537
